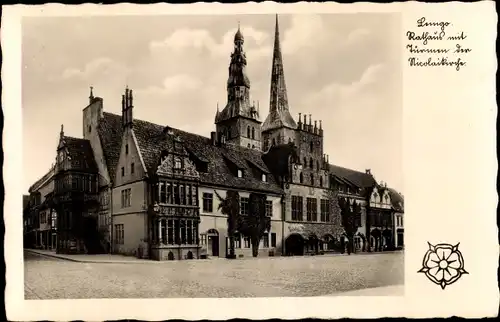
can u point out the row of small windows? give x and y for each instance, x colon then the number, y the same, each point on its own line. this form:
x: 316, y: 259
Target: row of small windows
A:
x: 251, y: 132
x: 177, y: 193
x: 311, y: 209
x: 132, y: 169
x: 175, y: 231
x: 311, y: 163
x: 208, y: 205
x: 311, y: 179
x: 77, y: 182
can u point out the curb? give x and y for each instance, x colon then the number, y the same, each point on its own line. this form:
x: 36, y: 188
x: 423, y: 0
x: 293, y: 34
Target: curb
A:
x: 82, y: 261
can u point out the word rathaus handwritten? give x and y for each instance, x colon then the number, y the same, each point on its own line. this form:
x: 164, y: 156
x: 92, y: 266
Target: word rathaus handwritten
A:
x: 434, y: 45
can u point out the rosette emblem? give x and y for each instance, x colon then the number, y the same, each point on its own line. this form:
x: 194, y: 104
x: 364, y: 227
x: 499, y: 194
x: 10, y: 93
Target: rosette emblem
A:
x: 443, y: 264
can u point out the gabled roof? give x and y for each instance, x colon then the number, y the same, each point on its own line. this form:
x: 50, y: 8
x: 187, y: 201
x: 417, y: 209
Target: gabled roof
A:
x: 110, y: 132
x: 81, y: 154
x: 397, y: 200
x: 152, y: 140
x: 358, y: 178
x: 45, y: 177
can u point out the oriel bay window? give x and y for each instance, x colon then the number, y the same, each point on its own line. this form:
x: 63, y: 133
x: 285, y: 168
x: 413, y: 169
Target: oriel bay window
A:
x: 175, y: 231
x: 175, y: 193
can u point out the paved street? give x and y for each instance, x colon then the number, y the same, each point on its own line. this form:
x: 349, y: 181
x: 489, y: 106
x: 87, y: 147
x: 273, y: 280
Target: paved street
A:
x: 51, y: 278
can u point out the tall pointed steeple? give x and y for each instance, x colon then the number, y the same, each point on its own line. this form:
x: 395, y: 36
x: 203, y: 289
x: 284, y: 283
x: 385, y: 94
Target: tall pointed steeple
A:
x: 279, y: 114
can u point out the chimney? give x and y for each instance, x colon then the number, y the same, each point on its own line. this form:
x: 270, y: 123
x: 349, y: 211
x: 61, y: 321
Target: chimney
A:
x: 124, y: 111
x: 315, y: 127
x: 213, y: 138
x: 130, y: 109
x: 368, y: 171
x: 300, y: 121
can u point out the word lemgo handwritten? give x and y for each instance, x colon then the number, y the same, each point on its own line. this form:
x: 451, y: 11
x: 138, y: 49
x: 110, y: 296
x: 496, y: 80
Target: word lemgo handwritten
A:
x: 435, y: 46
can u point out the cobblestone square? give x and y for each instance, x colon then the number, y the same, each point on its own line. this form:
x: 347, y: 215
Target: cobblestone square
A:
x: 50, y: 278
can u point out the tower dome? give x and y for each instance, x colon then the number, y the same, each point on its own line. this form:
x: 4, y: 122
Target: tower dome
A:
x: 239, y: 36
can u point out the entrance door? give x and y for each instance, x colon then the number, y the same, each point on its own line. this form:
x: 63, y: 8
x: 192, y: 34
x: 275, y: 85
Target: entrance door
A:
x: 213, y: 242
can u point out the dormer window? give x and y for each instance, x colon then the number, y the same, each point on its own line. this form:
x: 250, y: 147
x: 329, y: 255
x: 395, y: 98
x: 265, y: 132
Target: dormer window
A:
x: 264, y: 177
x: 177, y: 163
x: 240, y: 173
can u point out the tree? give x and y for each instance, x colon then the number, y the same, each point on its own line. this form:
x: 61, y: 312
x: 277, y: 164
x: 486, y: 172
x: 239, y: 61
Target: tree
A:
x: 255, y: 224
x: 335, y: 212
x: 230, y: 206
x: 349, y: 213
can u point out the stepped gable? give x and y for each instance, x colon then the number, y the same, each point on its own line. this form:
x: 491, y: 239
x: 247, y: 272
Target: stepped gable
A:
x: 152, y: 140
x: 110, y: 133
x: 358, y: 178
x: 81, y: 154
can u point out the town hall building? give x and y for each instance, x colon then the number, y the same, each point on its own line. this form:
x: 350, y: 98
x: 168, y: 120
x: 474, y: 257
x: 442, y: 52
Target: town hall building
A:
x: 133, y: 187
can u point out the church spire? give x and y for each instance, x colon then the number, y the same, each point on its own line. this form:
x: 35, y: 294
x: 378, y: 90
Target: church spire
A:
x: 279, y: 98
x: 279, y: 114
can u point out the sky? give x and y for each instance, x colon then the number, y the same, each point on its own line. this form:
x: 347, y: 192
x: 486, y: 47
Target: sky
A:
x: 344, y: 69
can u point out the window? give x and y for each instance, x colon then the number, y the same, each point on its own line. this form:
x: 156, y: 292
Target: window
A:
x: 132, y: 166
x: 244, y: 206
x: 273, y: 239
x: 310, y: 147
x: 237, y: 240
x: 176, y: 194
x: 269, y: 208
x: 264, y: 178
x: 301, y: 178
x: 119, y: 234
x: 248, y: 145
x: 297, y: 208
x: 240, y: 173
x: 203, y: 239
x: 126, y: 197
x: 311, y: 163
x: 126, y: 148
x: 321, y: 181
x: 163, y: 192
x: 325, y: 210
x: 312, y: 209
x: 103, y: 219
x: 182, y: 194
x: 123, y: 171
x: 253, y: 133
x: 305, y: 162
x: 401, y: 220
x: 248, y: 131
x: 207, y: 202
x: 178, y: 163
x: 183, y: 236
x: 90, y: 128
x: 312, y: 179
x: 265, y: 240
x: 170, y: 232
x: 170, y: 193
x: 189, y: 197
x: 253, y: 146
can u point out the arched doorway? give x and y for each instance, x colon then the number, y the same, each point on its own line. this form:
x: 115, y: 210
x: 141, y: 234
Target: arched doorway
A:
x: 213, y: 242
x: 294, y: 245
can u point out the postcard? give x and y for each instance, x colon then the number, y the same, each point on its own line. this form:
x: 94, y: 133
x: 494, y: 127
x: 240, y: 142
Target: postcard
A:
x: 218, y: 161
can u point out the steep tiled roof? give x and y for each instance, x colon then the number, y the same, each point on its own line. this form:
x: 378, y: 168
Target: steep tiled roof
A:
x: 397, y: 200
x: 42, y: 179
x: 81, y: 154
x: 110, y: 133
x: 360, y: 179
x: 152, y: 140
